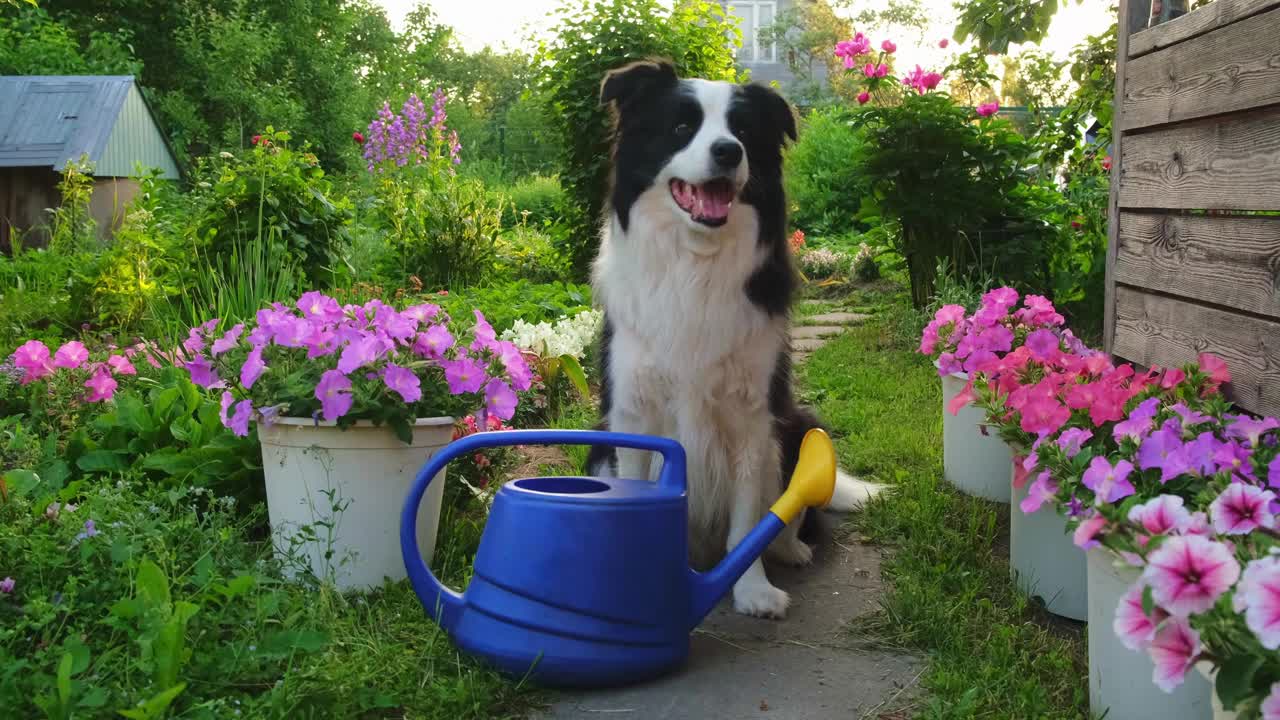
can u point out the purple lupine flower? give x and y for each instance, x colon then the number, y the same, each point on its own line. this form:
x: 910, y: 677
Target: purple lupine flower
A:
x: 7, y: 585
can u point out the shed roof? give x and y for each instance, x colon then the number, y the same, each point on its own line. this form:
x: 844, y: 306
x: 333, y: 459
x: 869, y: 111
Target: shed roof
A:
x: 48, y: 120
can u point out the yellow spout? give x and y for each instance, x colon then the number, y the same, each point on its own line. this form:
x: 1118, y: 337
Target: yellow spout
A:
x: 814, y: 480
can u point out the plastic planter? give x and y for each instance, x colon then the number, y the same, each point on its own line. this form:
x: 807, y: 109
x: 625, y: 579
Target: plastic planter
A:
x: 334, y: 496
x: 1205, y: 670
x: 1045, y: 562
x: 1120, y: 682
x: 975, y: 463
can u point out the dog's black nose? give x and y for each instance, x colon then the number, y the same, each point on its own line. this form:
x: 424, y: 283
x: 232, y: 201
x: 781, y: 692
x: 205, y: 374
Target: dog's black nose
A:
x: 726, y: 153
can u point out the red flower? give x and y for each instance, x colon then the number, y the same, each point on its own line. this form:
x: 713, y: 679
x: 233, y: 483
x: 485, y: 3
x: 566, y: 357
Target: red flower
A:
x: 1106, y: 163
x: 256, y: 139
x: 443, y: 292
x: 358, y: 138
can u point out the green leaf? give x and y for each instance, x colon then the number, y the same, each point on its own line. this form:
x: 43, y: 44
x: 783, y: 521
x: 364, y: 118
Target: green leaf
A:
x: 238, y: 586
x: 573, y: 370
x: 156, y: 706
x: 401, y: 427
x: 169, y: 461
x: 79, y: 653
x: 101, y: 461
x: 285, y: 642
x: 121, y: 549
x: 18, y: 483
x: 1234, y: 682
x: 153, y: 586
x: 64, y: 679
x: 132, y: 414
x: 1148, y: 602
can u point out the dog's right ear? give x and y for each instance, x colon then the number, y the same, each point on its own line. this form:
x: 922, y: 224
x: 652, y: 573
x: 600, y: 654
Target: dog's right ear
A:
x: 630, y: 81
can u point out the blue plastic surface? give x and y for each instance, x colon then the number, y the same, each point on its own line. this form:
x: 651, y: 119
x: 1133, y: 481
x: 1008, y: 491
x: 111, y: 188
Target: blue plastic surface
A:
x: 579, y: 581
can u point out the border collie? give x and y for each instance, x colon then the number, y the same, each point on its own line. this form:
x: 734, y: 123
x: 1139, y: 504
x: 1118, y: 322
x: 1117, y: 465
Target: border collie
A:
x: 695, y: 279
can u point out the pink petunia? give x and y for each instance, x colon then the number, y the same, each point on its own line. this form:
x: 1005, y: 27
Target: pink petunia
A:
x: 1173, y: 651
x: 101, y: 386
x: 1108, y: 482
x: 1086, y: 534
x: 518, y: 371
x: 1258, y: 596
x: 395, y: 324
x: 403, y: 382
x: 464, y: 375
x: 228, y: 340
x: 227, y: 401
x: 120, y: 365
x: 71, y: 355
x: 1241, y: 509
x: 334, y: 393
x: 499, y: 399
x: 317, y: 305
x: 239, y: 422
x: 422, y: 313
x: 1161, y: 515
x: 358, y: 353
x: 1043, y: 416
x: 1188, y: 574
x: 433, y: 342
x: 888, y: 47
x: 1135, y: 628
x: 1271, y: 706
x: 202, y: 372
x: 1072, y: 440
x: 252, y: 369
x: 1043, y: 490
x: 1217, y: 370
x: 33, y: 357
x: 485, y: 336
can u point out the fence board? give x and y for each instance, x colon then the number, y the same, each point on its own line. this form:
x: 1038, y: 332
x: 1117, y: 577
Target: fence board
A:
x: 1229, y: 261
x: 1157, y: 330
x: 1196, y: 22
x: 1227, y: 164
x: 1233, y: 68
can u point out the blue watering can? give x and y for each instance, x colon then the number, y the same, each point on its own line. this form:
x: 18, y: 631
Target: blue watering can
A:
x: 584, y: 582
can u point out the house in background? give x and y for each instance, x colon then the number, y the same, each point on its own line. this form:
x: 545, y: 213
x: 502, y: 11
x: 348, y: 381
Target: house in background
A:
x: 765, y: 60
x: 47, y: 121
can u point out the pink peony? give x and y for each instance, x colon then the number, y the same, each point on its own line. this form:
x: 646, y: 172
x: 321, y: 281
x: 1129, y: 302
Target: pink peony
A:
x: 988, y: 109
x: 888, y: 47
x: 1173, y: 651
x: 1188, y: 574
x: 1135, y: 628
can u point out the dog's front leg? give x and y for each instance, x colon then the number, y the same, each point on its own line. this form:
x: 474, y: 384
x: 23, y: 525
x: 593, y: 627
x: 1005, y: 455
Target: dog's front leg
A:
x: 755, y: 469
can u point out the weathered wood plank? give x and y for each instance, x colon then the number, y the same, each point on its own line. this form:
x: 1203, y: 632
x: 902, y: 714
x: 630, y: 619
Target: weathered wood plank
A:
x: 1156, y: 330
x: 1230, y: 163
x: 1233, y: 68
x: 1197, y: 22
x: 1131, y: 18
x: 1233, y: 262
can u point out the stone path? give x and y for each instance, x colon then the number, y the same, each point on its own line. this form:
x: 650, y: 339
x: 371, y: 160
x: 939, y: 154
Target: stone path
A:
x: 806, y: 667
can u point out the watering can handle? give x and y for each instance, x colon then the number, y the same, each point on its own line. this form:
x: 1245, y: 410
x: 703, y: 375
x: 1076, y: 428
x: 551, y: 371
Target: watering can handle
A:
x: 444, y: 604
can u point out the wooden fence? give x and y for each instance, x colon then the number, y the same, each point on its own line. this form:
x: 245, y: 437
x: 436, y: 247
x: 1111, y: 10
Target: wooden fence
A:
x: 1192, y: 265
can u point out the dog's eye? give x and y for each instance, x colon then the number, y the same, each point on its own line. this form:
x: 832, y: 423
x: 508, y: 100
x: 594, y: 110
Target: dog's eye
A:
x: 683, y: 130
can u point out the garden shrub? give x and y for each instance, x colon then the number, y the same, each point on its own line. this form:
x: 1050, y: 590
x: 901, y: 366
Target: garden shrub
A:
x: 823, y: 178
x: 504, y: 303
x: 532, y: 200
x: 529, y: 252
x: 589, y: 40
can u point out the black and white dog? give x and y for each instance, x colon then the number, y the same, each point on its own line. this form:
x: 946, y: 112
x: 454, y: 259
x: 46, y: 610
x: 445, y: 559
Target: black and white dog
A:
x: 695, y: 279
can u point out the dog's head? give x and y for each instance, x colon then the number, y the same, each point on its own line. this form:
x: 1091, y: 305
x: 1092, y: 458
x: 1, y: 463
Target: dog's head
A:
x: 709, y: 144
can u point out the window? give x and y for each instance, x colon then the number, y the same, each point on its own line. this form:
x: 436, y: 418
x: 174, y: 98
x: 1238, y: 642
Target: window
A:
x: 754, y: 17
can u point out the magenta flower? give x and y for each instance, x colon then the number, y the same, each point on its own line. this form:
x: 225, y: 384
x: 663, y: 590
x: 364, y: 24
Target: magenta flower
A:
x: 1086, y: 534
x: 71, y: 355
x: 943, y: 43
x: 101, y: 386
x: 1188, y: 416
x: 1188, y: 574
x: 334, y: 394
x: 499, y: 399
x: 1199, y: 454
x: 1258, y: 596
x: 1241, y: 509
x: 252, y: 369
x: 120, y: 365
x: 394, y: 324
x: 7, y: 585
x: 1043, y: 490
x: 320, y: 342
x: 1109, y: 483
x: 485, y: 336
x: 1273, y: 473
x: 1072, y: 440
x: 1242, y: 427
x: 517, y: 367
x: 291, y: 331
x: 202, y: 372
x: 33, y: 357
x: 1271, y: 706
x: 988, y: 109
x: 864, y: 97
x: 1236, y: 458
x: 464, y: 375
x: 888, y: 46
x: 227, y: 400
x: 239, y: 421
x: 1155, y: 450
x: 1043, y: 416
x: 403, y: 382
x: 1135, y: 628
x: 422, y: 313
x: 318, y: 306
x: 228, y: 340
x: 1173, y: 651
x: 1161, y: 515
x: 358, y: 353
x: 433, y: 342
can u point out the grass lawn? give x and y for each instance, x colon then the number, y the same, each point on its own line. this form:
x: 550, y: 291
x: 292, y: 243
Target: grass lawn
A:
x: 992, y: 654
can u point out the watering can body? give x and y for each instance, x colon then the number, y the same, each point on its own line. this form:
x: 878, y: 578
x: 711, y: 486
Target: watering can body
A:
x: 579, y: 581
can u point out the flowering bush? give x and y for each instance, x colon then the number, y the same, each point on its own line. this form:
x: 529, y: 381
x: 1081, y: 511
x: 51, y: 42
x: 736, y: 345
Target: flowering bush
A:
x: 822, y: 262
x: 864, y: 263
x: 355, y: 362
x: 967, y: 343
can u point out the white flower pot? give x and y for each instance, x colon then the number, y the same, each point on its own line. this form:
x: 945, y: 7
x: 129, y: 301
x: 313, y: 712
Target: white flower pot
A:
x: 976, y: 464
x: 1119, y: 678
x: 1205, y: 670
x: 334, y: 496
x: 1045, y: 561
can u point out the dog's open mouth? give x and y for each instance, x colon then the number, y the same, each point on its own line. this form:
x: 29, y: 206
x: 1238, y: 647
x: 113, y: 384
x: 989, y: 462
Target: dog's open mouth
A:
x: 707, y: 203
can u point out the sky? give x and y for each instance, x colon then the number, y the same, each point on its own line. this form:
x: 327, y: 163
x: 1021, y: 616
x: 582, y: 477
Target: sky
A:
x: 497, y: 22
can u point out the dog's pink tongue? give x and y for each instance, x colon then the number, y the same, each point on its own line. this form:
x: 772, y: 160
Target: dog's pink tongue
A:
x: 711, y: 205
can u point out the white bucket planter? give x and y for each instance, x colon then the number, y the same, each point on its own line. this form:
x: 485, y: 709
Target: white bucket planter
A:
x: 1205, y: 670
x: 1044, y: 560
x: 975, y: 463
x: 334, y: 496
x: 1119, y: 678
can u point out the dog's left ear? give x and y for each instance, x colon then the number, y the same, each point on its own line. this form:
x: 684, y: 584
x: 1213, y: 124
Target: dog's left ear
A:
x: 629, y: 81
x: 775, y: 108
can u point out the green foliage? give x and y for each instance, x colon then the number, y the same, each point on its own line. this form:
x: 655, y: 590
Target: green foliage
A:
x: 503, y: 304
x: 532, y: 200
x: 823, y: 176
x: 532, y: 253
x: 995, y: 24
x: 32, y: 43
x: 593, y: 38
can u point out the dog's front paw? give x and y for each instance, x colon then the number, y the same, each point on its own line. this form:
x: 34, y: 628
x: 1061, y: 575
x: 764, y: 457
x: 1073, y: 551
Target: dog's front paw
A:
x: 790, y: 551
x: 760, y: 600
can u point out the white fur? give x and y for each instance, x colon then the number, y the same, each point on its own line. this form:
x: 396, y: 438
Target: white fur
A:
x: 691, y: 359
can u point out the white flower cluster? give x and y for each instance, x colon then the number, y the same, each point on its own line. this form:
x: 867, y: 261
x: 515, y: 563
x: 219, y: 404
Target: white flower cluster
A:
x: 865, y: 253
x: 571, y: 335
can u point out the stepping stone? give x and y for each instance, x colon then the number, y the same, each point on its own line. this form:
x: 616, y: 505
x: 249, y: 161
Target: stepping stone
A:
x: 838, y: 318
x: 807, y: 344
x: 797, y: 358
x: 806, y: 667
x: 814, y: 331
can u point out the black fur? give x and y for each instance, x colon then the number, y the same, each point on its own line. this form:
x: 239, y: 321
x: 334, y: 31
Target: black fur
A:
x: 648, y: 104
